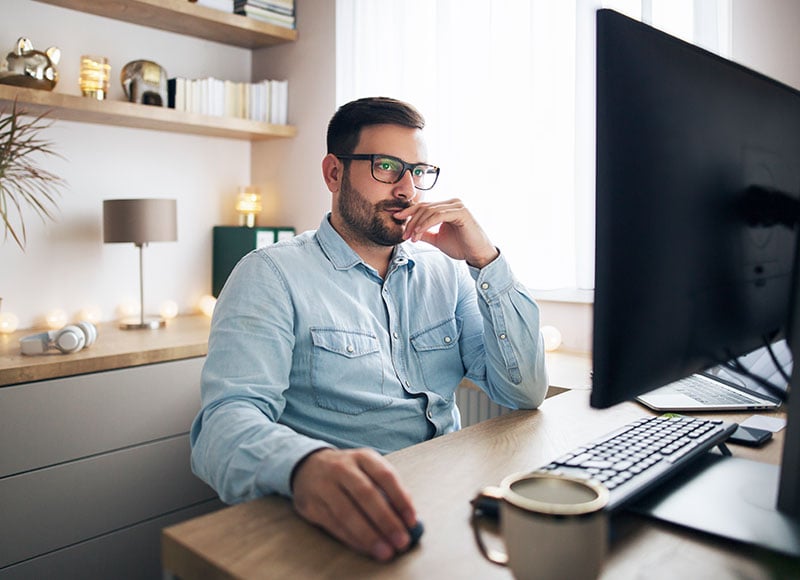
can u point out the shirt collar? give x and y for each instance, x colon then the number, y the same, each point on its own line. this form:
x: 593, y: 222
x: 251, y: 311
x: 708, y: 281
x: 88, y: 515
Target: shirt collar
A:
x: 343, y: 257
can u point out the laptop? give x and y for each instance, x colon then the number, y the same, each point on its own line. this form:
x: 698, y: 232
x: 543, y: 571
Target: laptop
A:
x: 720, y: 389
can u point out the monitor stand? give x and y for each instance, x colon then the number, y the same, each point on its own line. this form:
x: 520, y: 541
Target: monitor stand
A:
x: 730, y: 497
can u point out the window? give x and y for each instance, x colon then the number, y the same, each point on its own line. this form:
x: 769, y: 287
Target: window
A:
x: 507, y: 89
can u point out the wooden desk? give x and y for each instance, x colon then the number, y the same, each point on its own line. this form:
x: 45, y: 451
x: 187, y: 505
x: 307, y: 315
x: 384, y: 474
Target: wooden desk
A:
x: 265, y: 539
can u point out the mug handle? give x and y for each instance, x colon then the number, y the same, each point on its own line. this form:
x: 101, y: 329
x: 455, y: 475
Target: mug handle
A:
x: 487, y: 504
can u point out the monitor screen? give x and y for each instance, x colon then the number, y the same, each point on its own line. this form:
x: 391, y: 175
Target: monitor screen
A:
x: 682, y: 280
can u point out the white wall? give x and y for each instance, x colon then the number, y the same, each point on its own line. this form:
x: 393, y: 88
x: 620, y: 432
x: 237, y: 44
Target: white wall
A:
x: 765, y: 37
x: 289, y: 173
x: 66, y: 265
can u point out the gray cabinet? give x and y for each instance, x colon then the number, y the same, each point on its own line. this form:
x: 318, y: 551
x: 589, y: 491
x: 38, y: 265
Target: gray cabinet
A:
x: 93, y: 466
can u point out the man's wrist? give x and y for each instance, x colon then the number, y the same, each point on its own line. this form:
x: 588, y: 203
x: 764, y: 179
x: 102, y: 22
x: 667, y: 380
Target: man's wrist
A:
x: 301, y: 463
x: 483, y: 261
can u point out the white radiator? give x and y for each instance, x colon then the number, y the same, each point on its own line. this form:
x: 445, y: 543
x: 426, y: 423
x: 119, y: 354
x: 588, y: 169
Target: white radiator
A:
x: 475, y: 406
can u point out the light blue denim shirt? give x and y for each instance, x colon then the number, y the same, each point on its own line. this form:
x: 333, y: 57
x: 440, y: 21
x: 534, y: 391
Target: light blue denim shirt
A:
x: 311, y: 348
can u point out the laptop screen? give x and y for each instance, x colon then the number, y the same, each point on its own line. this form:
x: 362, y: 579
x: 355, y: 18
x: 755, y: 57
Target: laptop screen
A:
x: 760, y: 363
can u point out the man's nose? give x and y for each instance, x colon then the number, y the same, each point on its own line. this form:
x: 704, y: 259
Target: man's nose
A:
x: 405, y: 187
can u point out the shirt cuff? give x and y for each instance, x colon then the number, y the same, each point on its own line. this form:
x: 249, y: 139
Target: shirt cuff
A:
x: 277, y: 476
x: 493, y: 279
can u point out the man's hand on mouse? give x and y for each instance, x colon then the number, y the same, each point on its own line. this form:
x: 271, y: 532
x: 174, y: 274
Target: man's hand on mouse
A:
x: 356, y: 496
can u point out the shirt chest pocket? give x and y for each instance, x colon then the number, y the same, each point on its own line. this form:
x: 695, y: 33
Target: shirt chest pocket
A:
x: 438, y: 356
x: 347, y: 373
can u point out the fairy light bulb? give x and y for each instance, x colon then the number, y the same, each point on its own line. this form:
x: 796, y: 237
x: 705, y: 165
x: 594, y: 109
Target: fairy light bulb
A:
x: 552, y: 338
x: 55, y: 319
x: 207, y: 304
x: 8, y: 322
x: 168, y: 310
x: 91, y: 314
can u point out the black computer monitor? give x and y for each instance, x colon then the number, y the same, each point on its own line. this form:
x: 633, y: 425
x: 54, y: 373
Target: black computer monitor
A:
x: 688, y: 271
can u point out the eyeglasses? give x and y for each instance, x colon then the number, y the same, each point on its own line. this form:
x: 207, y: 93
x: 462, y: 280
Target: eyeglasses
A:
x: 388, y: 169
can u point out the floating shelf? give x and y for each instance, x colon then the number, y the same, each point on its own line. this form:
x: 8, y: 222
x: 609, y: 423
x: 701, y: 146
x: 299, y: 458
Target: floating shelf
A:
x: 187, y: 18
x: 124, y: 114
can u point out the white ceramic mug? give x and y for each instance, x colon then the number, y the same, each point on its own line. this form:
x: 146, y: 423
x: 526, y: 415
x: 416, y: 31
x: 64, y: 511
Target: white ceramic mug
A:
x: 554, y: 526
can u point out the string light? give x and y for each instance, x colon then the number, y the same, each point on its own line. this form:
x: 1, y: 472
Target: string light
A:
x: 168, y: 310
x: 207, y: 304
x: 8, y: 322
x: 55, y: 319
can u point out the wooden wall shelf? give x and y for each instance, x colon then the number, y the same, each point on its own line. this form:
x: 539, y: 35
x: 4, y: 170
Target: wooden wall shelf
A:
x: 124, y: 114
x: 187, y: 18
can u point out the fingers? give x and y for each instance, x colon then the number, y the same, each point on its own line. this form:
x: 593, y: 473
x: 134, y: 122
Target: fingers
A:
x: 425, y: 216
x: 356, y: 496
x: 459, y: 235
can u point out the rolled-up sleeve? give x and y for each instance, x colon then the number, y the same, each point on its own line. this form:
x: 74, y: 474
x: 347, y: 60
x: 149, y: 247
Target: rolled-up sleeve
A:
x: 511, y: 367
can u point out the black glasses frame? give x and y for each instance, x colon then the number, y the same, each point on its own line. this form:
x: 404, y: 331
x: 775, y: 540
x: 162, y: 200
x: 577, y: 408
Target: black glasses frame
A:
x: 406, y: 167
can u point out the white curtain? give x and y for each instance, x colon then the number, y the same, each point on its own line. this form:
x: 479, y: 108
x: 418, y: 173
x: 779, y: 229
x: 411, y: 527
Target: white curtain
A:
x: 507, y: 89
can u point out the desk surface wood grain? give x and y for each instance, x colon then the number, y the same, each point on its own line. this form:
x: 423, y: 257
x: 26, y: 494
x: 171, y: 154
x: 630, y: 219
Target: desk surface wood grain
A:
x: 183, y: 337
x: 265, y: 539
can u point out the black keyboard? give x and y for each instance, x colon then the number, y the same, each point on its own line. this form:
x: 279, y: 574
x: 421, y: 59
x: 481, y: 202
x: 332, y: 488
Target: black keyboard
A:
x: 642, y: 454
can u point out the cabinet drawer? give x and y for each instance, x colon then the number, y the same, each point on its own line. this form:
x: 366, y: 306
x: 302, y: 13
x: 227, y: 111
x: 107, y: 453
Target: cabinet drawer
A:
x: 130, y: 554
x: 47, y: 509
x: 49, y: 422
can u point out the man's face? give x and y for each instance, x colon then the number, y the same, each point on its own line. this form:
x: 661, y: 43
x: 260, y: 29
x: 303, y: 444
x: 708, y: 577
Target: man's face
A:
x: 364, y: 207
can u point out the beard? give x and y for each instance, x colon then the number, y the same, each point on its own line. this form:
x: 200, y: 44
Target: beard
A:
x: 368, y: 222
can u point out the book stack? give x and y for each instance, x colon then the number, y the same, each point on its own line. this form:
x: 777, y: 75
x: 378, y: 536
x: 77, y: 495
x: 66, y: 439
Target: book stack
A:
x: 223, y: 5
x: 277, y: 12
x: 265, y: 101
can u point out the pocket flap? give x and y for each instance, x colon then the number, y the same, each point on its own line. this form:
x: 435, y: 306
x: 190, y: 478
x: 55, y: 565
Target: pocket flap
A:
x: 344, y: 342
x: 443, y: 335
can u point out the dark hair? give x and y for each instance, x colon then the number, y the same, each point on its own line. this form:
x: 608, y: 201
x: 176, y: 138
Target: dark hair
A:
x: 344, y: 128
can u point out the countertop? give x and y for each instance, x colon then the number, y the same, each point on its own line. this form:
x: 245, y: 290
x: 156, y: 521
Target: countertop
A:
x: 182, y: 337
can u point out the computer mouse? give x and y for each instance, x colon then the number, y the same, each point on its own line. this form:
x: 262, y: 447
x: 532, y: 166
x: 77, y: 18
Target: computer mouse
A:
x: 415, y: 532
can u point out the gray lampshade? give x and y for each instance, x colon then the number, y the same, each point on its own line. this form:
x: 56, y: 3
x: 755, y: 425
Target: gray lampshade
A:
x: 140, y: 221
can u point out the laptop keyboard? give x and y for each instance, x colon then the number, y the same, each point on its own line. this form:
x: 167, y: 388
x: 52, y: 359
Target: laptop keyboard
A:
x: 636, y: 457
x: 701, y: 391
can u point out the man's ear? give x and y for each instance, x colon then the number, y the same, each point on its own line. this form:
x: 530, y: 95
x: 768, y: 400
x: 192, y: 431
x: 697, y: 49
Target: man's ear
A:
x: 332, y: 171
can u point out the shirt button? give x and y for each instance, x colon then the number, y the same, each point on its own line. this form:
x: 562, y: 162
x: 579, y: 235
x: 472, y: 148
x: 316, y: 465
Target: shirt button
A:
x: 485, y: 285
x: 430, y: 414
x: 502, y: 336
x: 447, y: 340
x: 350, y: 348
x: 394, y: 334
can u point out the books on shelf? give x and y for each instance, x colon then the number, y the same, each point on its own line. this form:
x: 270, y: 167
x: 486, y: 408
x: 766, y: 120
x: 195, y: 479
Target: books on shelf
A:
x: 223, y: 5
x: 265, y: 101
x: 277, y: 12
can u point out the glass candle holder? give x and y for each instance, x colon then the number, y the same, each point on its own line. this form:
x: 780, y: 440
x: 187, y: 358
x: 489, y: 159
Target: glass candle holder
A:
x: 248, y: 204
x: 95, y: 75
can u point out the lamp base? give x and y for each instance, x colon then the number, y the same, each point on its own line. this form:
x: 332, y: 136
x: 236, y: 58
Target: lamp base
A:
x: 139, y: 324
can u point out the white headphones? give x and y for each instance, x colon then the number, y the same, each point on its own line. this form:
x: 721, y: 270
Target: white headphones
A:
x: 71, y: 338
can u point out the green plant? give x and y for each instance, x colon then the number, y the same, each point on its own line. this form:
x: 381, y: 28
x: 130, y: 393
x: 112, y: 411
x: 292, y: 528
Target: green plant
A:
x: 24, y: 186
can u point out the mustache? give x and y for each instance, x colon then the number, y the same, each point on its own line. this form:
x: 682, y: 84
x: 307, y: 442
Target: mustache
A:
x: 394, y: 204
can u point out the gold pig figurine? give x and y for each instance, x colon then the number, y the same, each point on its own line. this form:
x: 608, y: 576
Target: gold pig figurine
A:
x: 26, y: 67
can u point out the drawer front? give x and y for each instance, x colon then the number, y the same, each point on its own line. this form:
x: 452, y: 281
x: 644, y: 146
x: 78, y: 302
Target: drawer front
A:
x: 49, y: 422
x: 130, y: 554
x: 51, y: 508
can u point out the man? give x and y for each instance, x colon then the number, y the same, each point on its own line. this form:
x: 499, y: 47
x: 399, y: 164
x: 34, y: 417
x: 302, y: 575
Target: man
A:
x: 348, y: 342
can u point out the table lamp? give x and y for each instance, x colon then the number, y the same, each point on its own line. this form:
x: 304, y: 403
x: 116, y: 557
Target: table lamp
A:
x: 140, y: 221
